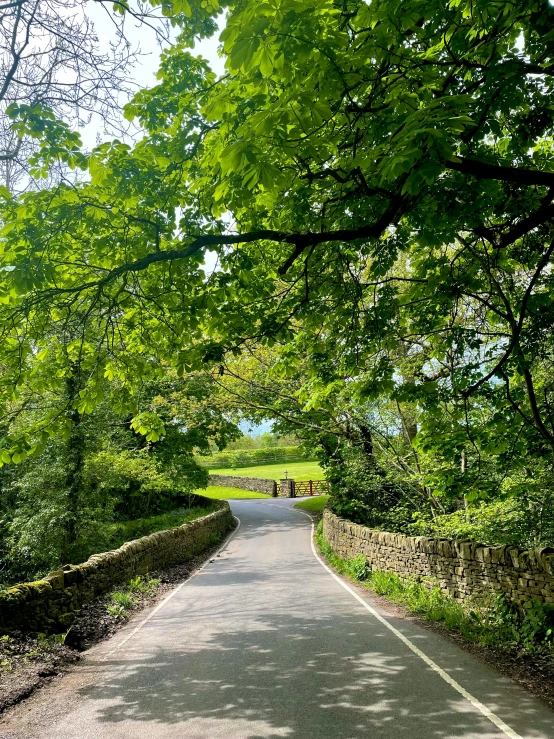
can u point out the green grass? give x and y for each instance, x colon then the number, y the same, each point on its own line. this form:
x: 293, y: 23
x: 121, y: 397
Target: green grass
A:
x: 119, y: 533
x: 218, y: 492
x: 297, y: 471
x: 497, y: 624
x: 317, y: 503
x: 123, y: 601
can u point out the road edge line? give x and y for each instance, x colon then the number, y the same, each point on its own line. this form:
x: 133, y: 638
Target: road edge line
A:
x: 170, y: 596
x: 486, y: 712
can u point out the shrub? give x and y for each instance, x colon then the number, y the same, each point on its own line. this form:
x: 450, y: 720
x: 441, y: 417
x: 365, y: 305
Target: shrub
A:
x: 515, y: 521
x: 362, y: 492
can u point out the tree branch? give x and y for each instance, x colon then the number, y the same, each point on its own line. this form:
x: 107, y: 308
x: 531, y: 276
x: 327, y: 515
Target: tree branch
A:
x: 485, y: 171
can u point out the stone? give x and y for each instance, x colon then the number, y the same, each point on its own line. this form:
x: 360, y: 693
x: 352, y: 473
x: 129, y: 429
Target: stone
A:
x: 47, y: 604
x: 56, y: 579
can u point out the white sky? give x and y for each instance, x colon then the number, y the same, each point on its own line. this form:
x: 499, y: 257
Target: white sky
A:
x: 144, y: 72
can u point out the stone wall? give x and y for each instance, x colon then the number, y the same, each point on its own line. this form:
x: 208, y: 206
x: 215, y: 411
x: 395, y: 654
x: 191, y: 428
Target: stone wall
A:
x: 254, y: 484
x: 286, y: 489
x: 49, y: 605
x: 463, y: 569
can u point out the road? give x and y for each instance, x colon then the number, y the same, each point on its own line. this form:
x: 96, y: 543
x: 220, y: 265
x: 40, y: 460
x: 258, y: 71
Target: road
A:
x: 265, y: 643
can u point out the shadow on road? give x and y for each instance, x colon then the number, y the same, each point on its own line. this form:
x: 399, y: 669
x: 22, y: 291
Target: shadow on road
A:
x: 248, y: 682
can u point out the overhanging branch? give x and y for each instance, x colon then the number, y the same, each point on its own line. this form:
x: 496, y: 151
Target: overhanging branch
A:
x: 485, y: 171
x: 205, y: 241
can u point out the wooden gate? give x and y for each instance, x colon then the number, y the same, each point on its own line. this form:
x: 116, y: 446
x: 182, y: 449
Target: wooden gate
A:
x: 311, y: 487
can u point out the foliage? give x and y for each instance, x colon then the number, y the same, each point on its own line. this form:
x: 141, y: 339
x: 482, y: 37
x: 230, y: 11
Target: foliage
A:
x: 117, y: 534
x: 54, y: 72
x: 376, y: 183
x: 33, y: 544
x: 265, y: 440
x: 419, y: 235
x: 517, y: 521
x: 363, y: 492
x: 145, y: 584
x: 124, y: 601
x: 253, y: 457
x: 58, y: 505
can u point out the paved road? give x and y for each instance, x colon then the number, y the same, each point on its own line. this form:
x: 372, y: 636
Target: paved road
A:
x: 265, y: 643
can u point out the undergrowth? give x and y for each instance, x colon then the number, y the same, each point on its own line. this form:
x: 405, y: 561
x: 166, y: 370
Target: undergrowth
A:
x: 498, y: 623
x: 123, y: 601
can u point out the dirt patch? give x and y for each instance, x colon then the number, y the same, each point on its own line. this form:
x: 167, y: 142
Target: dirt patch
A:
x: 29, y: 661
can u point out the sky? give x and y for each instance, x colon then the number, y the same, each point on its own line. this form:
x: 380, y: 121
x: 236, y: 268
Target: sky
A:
x: 143, y: 74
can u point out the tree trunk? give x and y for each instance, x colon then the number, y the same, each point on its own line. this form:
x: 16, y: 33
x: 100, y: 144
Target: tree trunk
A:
x: 75, y: 455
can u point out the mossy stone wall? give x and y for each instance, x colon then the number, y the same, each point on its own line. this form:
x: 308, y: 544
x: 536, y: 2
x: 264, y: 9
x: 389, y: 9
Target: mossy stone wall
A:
x: 49, y: 605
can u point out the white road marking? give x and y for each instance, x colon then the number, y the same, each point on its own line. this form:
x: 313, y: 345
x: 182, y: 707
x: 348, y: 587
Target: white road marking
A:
x: 492, y: 717
x: 170, y: 596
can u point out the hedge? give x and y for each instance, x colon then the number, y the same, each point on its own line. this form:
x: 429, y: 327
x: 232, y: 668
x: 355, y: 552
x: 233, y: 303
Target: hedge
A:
x: 252, y: 457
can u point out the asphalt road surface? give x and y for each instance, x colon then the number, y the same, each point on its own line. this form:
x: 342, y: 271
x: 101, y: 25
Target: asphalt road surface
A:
x: 263, y: 643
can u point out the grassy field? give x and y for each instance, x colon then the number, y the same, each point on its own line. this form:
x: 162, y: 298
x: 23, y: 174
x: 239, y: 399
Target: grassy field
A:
x: 297, y: 471
x: 220, y: 493
x: 317, y: 503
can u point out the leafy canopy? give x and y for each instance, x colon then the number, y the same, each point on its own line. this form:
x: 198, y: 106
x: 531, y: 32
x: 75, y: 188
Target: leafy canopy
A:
x: 376, y: 181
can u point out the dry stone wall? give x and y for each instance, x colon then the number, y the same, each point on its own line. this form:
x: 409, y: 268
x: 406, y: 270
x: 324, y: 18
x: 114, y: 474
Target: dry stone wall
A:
x: 462, y: 569
x: 49, y: 605
x: 254, y: 484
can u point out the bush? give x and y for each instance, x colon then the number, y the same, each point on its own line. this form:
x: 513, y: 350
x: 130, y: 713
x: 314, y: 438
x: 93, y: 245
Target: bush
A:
x: 362, y: 492
x: 514, y: 521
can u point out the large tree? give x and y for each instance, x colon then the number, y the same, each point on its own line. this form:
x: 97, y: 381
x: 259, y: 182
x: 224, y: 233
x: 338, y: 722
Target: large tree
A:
x: 373, y: 178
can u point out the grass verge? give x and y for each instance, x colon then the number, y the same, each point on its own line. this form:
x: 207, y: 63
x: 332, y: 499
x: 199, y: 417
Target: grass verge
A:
x: 218, y: 492
x: 120, y: 532
x: 497, y: 624
x: 124, y: 600
x: 297, y: 471
x: 315, y: 504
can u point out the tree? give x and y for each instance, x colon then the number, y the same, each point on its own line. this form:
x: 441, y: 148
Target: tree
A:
x: 376, y: 474
x: 371, y: 176
x: 53, y: 69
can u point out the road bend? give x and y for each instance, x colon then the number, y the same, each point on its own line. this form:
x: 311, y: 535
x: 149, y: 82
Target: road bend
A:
x: 264, y: 642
